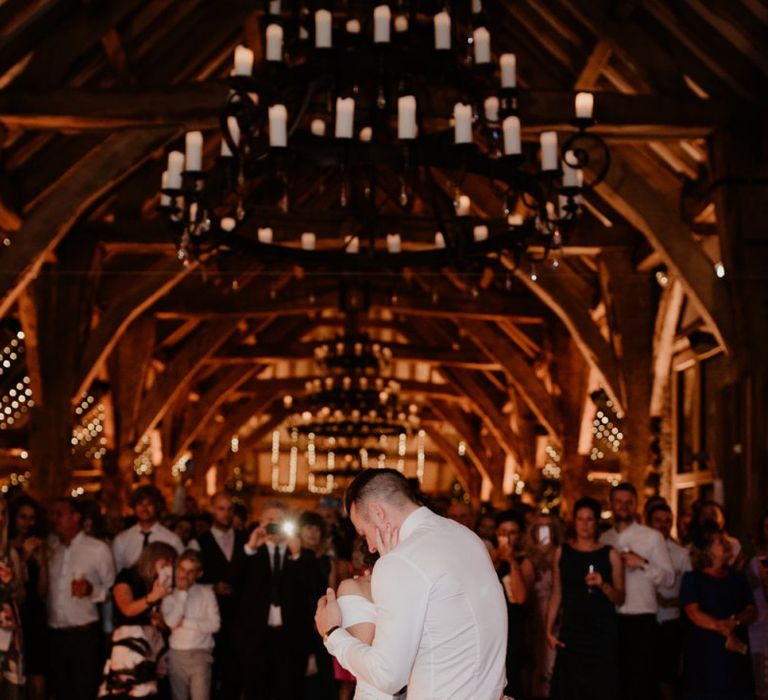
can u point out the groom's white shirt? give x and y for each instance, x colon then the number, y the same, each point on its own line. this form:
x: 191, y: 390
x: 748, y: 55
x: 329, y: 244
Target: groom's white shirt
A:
x: 441, y: 617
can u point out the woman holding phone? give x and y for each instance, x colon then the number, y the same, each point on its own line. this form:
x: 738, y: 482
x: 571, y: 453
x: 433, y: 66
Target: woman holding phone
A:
x: 587, y: 584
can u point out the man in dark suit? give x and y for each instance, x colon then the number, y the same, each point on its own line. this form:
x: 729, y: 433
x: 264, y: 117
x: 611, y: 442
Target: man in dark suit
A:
x: 221, y: 548
x: 276, y: 587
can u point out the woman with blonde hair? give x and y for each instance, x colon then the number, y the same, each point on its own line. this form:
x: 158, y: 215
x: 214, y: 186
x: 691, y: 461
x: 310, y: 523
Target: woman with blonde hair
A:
x: 137, y: 642
x: 11, y: 595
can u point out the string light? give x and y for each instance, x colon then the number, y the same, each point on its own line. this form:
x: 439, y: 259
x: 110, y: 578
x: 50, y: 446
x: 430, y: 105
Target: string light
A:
x: 16, y: 402
x: 234, y: 444
x: 180, y: 467
x: 142, y: 463
x: 401, y: 446
x: 88, y: 435
x: 420, y: 455
x: 15, y: 480
x: 293, y: 462
x: 606, y: 430
x: 552, y: 469
x: 462, y: 449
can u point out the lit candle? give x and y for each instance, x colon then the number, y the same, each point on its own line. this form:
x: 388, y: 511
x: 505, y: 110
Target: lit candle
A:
x: 406, y: 117
x: 243, y: 60
x: 353, y: 26
x: 548, y: 140
x: 480, y: 233
x: 308, y: 240
x: 382, y: 17
x: 234, y: 131
x: 317, y: 127
x: 264, y: 235
x: 482, y: 41
x: 394, y: 243
x: 345, y: 117
x: 477, y: 7
x: 278, y: 126
x: 175, y: 168
x: 585, y: 102
x: 274, y: 42
x: 511, y: 128
x: 353, y: 245
x: 462, y: 123
x: 491, y: 108
x: 165, y: 199
x: 442, y: 31
x: 570, y: 174
x: 463, y: 205
x: 401, y: 24
x: 439, y: 240
x: 508, y: 63
x: 366, y: 134
x: 323, y: 29
x: 228, y: 224
x: 194, y: 151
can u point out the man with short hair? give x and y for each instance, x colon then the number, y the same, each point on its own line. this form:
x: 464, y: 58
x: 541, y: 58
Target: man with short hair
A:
x: 669, y: 648
x: 461, y: 512
x: 148, y: 504
x: 441, y: 625
x: 647, y: 566
x: 81, y: 574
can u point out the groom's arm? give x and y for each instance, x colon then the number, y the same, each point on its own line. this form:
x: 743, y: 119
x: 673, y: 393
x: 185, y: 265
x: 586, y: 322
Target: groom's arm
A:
x: 401, y: 593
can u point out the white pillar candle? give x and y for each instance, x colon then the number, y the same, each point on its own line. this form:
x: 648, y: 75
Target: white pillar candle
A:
x: 228, y: 224
x: 175, y: 168
x: 482, y: 41
x: 548, y: 140
x: 511, y: 128
x: 265, y: 235
x: 480, y: 233
x: 463, y: 205
x: 442, y: 31
x: 278, y: 126
x: 401, y: 24
x: 491, y: 108
x: 366, y: 134
x: 323, y: 29
x: 274, y: 7
x: 193, y: 151
x: 345, y: 117
x: 274, y: 42
x: 477, y: 7
x: 394, y: 243
x: 382, y: 17
x: 353, y: 245
x: 308, y: 241
x: 165, y: 199
x: 243, y: 60
x: 317, y: 127
x: 585, y: 102
x: 353, y: 26
x: 439, y: 240
x: 508, y: 63
x: 406, y: 117
x: 462, y: 123
x: 234, y: 131
x: 570, y: 174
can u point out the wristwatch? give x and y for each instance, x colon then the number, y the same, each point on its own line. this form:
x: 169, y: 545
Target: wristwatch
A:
x: 329, y: 633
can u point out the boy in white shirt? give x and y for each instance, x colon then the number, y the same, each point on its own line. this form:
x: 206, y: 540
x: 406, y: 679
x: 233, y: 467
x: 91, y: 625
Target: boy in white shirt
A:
x: 192, y: 614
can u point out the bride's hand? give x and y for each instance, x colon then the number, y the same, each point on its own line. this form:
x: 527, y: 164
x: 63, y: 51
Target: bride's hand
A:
x: 387, y: 540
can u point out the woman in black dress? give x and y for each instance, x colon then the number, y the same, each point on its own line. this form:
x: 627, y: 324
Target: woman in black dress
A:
x: 137, y: 642
x: 588, y: 584
x: 718, y: 607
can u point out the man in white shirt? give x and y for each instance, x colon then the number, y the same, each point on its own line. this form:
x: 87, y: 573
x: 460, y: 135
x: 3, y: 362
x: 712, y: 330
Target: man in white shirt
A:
x: 192, y: 615
x: 441, y: 616
x: 81, y: 574
x: 148, y: 503
x: 669, y: 648
x: 647, y: 566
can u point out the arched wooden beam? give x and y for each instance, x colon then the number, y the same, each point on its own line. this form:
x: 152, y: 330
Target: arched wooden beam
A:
x: 465, y: 475
x: 519, y: 373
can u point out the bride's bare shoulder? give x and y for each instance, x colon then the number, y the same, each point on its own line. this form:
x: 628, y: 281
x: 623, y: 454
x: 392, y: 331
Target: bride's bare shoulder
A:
x: 354, y: 586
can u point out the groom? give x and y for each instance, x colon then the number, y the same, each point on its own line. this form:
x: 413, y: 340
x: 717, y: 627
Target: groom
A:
x: 441, y: 617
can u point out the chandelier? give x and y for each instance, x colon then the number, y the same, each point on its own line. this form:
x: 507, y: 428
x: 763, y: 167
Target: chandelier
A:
x: 355, y: 143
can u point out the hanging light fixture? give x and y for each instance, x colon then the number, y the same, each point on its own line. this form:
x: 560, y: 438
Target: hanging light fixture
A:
x: 352, y: 145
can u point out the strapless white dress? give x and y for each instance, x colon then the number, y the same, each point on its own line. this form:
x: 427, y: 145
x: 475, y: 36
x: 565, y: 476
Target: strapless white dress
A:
x: 356, y: 609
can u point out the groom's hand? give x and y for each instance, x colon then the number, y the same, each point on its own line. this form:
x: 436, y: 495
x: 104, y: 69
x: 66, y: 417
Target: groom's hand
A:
x: 328, y: 613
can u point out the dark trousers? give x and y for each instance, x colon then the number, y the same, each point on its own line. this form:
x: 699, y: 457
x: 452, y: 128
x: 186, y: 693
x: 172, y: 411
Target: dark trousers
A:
x: 273, y: 669
x: 638, y: 673
x: 669, y: 650
x: 226, y: 673
x: 75, y: 662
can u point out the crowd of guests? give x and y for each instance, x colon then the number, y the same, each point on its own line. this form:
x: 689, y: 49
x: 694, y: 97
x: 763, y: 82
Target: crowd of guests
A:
x: 211, y: 604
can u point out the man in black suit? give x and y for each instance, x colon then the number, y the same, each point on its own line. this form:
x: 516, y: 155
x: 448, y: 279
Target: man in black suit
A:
x: 276, y: 586
x: 221, y: 548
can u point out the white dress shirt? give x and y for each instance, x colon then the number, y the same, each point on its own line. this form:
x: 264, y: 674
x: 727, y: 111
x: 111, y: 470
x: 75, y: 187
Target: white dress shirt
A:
x: 641, y: 583
x: 128, y: 544
x: 193, y: 616
x: 681, y: 562
x: 85, y: 557
x: 441, y: 617
x: 225, y: 539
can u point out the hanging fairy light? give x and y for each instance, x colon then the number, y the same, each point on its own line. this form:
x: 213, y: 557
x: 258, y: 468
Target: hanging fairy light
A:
x: 607, y: 435
x: 142, y: 462
x: 88, y: 435
x: 293, y: 463
x: 234, y: 444
x: 15, y: 402
x: 420, y: 457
